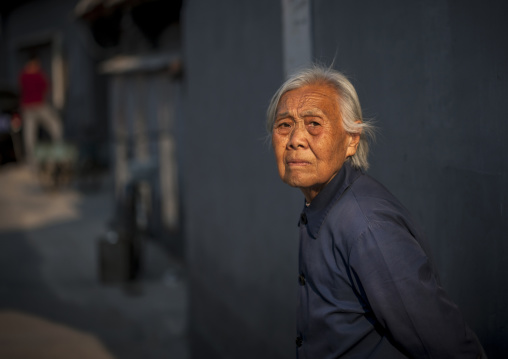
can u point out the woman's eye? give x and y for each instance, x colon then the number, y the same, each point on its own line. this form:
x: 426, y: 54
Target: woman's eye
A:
x: 314, y: 127
x: 283, y: 128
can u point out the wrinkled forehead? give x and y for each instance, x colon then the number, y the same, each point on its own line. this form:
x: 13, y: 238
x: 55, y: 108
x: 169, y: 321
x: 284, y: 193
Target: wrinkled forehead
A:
x: 321, y: 97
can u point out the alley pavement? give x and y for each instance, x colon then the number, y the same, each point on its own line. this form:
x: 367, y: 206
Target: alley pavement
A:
x: 52, y: 303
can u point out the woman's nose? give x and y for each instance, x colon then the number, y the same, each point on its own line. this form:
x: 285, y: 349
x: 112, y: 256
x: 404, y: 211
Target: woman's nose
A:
x: 297, y: 137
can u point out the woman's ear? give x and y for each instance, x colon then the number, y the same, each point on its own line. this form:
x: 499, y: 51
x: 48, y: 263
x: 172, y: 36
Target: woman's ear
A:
x: 354, y: 140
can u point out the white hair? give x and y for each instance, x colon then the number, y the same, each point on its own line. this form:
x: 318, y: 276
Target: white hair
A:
x: 349, y: 105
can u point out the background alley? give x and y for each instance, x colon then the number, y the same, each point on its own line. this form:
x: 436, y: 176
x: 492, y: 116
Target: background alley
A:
x: 49, y: 281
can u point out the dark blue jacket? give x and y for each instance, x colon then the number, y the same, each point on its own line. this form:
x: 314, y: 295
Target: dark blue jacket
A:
x: 366, y: 286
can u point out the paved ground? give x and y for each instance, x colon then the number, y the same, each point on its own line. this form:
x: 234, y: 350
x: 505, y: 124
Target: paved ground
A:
x: 51, y: 301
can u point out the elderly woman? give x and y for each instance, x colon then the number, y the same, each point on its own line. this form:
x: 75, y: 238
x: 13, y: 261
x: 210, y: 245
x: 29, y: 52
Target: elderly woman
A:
x: 367, y: 287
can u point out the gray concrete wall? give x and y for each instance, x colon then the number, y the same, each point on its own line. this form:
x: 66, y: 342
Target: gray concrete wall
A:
x: 434, y: 76
x: 240, y: 219
x: 4, y: 63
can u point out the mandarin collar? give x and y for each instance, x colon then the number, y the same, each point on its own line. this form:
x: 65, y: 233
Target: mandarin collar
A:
x: 318, y: 209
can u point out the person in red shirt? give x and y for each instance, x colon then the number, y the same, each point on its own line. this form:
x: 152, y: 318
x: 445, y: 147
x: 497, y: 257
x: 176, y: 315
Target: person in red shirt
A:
x: 35, y: 109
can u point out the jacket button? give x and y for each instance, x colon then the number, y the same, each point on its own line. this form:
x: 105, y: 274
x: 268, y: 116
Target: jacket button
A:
x: 303, y: 218
x: 301, y: 279
x: 299, y: 341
